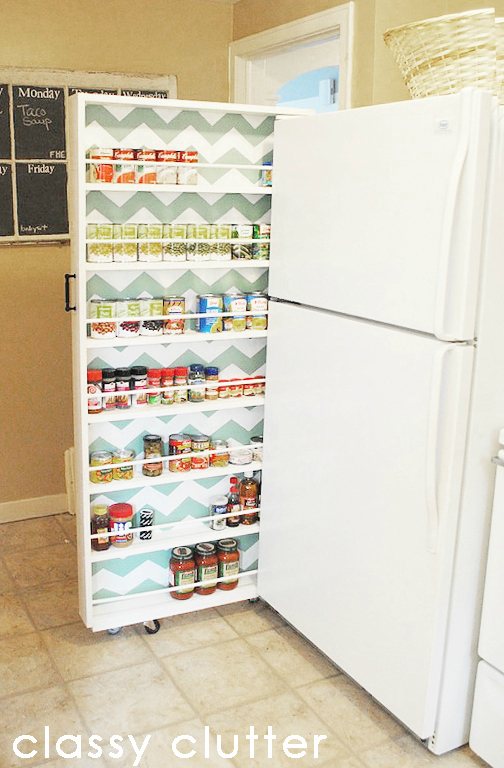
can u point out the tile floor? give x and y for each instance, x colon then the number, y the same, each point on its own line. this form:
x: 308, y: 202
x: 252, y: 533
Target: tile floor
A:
x: 227, y: 669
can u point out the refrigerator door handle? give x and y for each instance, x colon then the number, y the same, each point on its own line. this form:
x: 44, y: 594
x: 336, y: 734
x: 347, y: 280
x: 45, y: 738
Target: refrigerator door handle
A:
x: 448, y: 225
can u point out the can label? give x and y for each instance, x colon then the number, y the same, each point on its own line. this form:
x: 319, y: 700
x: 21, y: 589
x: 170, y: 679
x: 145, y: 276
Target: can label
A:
x: 125, y: 252
x: 167, y: 170
x: 174, y: 251
x: 235, y: 304
x: 174, y: 305
x: 101, y: 170
x: 211, y: 304
x: 146, y: 169
x: 150, y: 251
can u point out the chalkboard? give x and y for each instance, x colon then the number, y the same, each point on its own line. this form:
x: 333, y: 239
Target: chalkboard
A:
x: 39, y: 122
x: 6, y: 207
x: 42, y: 198
x: 156, y: 94
x: 105, y: 91
x: 5, y: 143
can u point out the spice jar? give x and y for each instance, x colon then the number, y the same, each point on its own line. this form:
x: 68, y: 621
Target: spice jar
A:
x: 180, y: 380
x: 218, y: 508
x: 207, y: 567
x: 196, y: 381
x: 211, y: 383
x: 182, y: 573
x: 123, y: 380
x: 153, y: 448
x: 94, y: 391
x: 100, y: 525
x: 167, y: 395
x: 108, y: 387
x: 235, y: 388
x: 200, y: 443
x: 120, y: 519
x: 223, y: 388
x: 229, y: 563
x: 154, y: 380
x: 139, y: 382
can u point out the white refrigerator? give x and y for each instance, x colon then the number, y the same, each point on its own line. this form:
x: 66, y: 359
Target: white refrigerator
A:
x: 385, y: 395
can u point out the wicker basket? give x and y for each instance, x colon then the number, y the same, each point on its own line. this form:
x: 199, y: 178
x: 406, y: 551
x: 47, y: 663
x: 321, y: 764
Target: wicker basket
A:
x: 443, y: 55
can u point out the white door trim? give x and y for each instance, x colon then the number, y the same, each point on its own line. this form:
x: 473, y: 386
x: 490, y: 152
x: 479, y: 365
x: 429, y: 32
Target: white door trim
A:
x: 309, y: 28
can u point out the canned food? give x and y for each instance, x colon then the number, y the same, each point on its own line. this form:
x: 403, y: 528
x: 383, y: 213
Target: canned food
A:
x: 187, y: 173
x: 100, y: 252
x: 221, y: 251
x: 174, y: 305
x: 267, y: 174
x: 145, y: 168
x: 150, y: 251
x: 236, y: 303
x: 257, y: 303
x: 174, y: 251
x: 261, y: 251
x: 219, y: 453
x: 179, y: 444
x: 257, y: 450
x: 98, y: 459
x: 102, y: 168
x: 243, y: 232
x: 128, y: 308
x: 151, y: 308
x: 198, y: 251
x: 240, y: 456
x: 124, y: 173
x: 218, y: 508
x: 125, y: 252
x: 124, y: 471
x: 102, y: 309
x: 167, y: 168
x: 200, y: 443
x: 211, y: 304
x: 153, y: 449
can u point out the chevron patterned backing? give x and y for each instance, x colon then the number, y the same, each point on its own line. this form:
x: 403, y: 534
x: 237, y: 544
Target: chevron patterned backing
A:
x: 218, y: 138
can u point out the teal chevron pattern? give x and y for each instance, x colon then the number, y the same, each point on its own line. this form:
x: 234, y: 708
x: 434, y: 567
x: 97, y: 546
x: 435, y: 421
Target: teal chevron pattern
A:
x: 175, y: 207
x: 147, y: 285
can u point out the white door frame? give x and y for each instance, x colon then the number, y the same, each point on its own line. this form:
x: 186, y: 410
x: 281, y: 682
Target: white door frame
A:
x: 310, y: 28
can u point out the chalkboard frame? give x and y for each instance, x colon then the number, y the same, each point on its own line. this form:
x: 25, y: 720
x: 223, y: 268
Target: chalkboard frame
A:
x: 69, y: 81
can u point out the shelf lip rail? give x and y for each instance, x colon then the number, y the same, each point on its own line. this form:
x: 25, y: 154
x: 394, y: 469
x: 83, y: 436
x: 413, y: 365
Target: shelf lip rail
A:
x: 176, y: 524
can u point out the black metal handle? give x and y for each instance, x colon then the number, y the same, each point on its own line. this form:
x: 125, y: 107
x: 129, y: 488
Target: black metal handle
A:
x: 68, y: 308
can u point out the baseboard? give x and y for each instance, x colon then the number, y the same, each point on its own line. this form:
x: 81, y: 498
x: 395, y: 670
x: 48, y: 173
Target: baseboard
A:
x: 24, y: 509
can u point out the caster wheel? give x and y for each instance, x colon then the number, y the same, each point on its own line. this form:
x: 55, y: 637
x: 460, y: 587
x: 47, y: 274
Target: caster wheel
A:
x: 114, y: 630
x: 151, y: 627
x: 253, y: 600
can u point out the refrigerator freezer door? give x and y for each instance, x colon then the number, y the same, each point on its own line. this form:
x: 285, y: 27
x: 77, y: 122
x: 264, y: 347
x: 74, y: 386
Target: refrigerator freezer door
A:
x: 378, y: 212
x: 364, y: 443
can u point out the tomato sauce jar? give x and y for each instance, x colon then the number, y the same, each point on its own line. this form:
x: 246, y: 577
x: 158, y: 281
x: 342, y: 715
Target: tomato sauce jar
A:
x: 229, y: 562
x: 182, y: 573
x: 207, y: 567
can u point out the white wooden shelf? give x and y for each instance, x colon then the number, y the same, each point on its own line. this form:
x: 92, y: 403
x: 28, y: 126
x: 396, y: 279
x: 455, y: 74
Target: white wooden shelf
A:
x: 119, y: 266
x: 153, y: 411
x: 170, y: 478
x: 180, y: 338
x: 179, y: 189
x: 167, y: 539
x: 139, y: 608
x: 171, y: 164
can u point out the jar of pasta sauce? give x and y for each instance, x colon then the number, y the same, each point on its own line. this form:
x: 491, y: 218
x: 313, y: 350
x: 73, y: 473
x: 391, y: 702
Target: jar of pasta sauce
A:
x: 182, y: 573
x: 120, y: 520
x: 200, y: 443
x: 178, y: 445
x: 229, y: 563
x: 153, y: 449
x: 207, y: 567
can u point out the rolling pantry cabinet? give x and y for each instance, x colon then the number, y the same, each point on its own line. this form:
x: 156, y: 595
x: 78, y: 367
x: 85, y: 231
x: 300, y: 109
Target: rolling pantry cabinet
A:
x: 120, y: 586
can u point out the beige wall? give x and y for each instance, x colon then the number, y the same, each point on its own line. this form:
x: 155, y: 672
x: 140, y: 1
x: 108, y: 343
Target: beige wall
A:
x: 187, y: 38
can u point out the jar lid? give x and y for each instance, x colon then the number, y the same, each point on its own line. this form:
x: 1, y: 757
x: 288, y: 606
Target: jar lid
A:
x: 181, y: 371
x: 139, y: 370
x: 93, y: 375
x: 153, y: 439
x: 218, y: 444
x: 104, y: 456
x: 154, y: 373
x: 212, y: 370
x: 182, y: 553
x: 123, y: 453
x: 108, y: 373
x: 167, y: 371
x: 123, y: 373
x: 200, y: 438
x: 219, y: 501
x: 256, y: 439
x: 100, y: 509
x: 196, y: 368
x: 227, y: 545
x: 205, y: 548
x: 120, y: 510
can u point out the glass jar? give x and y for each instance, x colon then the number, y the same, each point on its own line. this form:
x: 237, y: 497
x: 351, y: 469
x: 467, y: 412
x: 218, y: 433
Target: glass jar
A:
x: 196, y: 381
x: 154, y: 380
x: 94, y: 391
x: 207, y: 567
x: 167, y: 395
x: 180, y: 380
x: 182, y: 573
x: 211, y: 383
x: 109, y: 388
x: 100, y: 524
x: 153, y: 448
x: 98, y: 459
x: 123, y: 381
x: 139, y: 382
x: 218, y: 508
x: 123, y: 471
x: 229, y: 563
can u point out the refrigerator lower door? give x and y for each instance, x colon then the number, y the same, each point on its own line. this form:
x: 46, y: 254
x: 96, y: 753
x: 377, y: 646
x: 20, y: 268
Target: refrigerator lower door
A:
x: 487, y: 724
x: 387, y: 203
x: 491, y: 641
x: 364, y: 442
